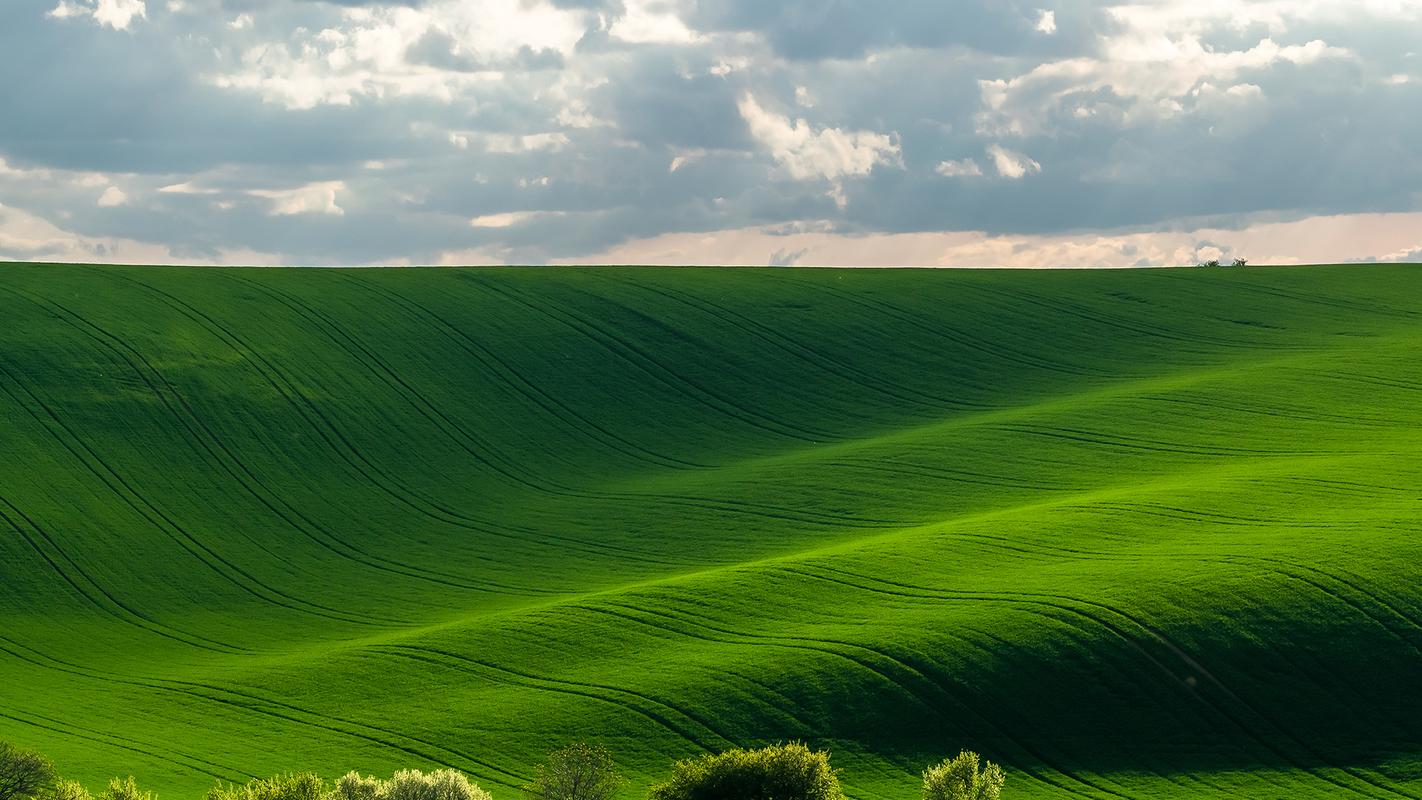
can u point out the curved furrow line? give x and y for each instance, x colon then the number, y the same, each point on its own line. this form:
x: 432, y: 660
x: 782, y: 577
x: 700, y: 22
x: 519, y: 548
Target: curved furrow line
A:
x: 1191, y: 515
x: 633, y: 355
x: 940, y: 595
x: 125, y: 614
x: 256, y: 704
x: 219, y: 454
x: 1411, y: 622
x: 71, y: 730
x: 474, y: 445
x: 1274, y: 412
x: 891, y: 467
x: 515, y: 381
x: 1142, y: 445
x: 458, y: 435
x: 1058, y: 601
x: 787, y: 344
x: 157, y: 517
x: 1329, y: 301
x: 382, y: 481
x: 1098, y: 317
x: 526, y: 680
x: 827, y: 647
x: 959, y: 337
x: 1371, y: 380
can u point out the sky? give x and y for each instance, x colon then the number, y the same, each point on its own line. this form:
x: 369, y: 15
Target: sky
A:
x: 1042, y: 133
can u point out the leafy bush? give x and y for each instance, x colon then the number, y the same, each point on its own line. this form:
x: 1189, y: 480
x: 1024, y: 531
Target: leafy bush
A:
x: 960, y: 779
x: 299, y: 786
x: 354, y: 786
x: 443, y: 784
x: 577, y: 772
x: 23, y: 774
x: 781, y: 772
x: 71, y: 790
x: 1214, y: 262
x: 125, y: 789
x: 1240, y: 262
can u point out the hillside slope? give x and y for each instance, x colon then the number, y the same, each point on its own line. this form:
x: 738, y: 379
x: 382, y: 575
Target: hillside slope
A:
x: 1144, y: 534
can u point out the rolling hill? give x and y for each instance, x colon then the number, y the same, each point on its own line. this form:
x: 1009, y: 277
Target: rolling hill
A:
x: 1142, y: 534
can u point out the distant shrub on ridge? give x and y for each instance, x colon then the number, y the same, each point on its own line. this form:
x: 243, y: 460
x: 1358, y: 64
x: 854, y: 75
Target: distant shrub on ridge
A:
x: 298, y: 786
x: 576, y: 772
x: 781, y: 772
x: 354, y: 786
x: 125, y: 789
x: 960, y: 778
x: 407, y: 784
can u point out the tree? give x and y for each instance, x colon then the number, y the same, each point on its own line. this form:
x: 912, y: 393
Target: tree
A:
x: 23, y: 774
x: 960, y: 779
x: 1214, y: 262
x: 780, y: 772
x: 1240, y: 262
x: 125, y: 789
x: 577, y: 772
x: 298, y: 786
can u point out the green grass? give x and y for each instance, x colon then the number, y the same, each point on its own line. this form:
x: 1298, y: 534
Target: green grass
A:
x: 1147, y: 534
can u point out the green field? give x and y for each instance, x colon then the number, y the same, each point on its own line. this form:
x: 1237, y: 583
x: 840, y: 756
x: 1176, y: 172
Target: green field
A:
x: 1146, y: 534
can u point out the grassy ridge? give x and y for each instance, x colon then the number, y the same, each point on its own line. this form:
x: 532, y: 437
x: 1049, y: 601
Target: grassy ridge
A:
x: 1142, y: 534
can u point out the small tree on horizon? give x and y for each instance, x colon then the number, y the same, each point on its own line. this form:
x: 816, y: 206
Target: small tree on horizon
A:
x: 579, y: 771
x: 24, y: 774
x: 960, y: 778
x: 1240, y: 262
x: 778, y: 772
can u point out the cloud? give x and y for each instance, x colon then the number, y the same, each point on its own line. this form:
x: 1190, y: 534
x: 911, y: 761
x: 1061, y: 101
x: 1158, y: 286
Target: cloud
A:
x: 668, y: 120
x: 116, y: 14
x: 967, y: 168
x: 807, y: 153
x: 1333, y: 239
x: 313, y: 198
x: 112, y: 196
x: 1010, y: 164
x: 509, y: 219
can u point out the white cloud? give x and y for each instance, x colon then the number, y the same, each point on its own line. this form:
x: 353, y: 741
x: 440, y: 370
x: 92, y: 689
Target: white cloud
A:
x: 651, y: 22
x: 1010, y: 164
x: 1047, y: 21
x: 1326, y: 239
x: 112, y: 196
x: 116, y: 14
x: 1155, y: 60
x: 366, y: 54
x: 241, y: 22
x: 807, y: 153
x: 509, y: 219
x: 967, y: 168
x: 803, y: 98
x: 185, y: 188
x: 313, y: 198
x: 686, y: 157
x: 505, y: 143
x: 25, y: 236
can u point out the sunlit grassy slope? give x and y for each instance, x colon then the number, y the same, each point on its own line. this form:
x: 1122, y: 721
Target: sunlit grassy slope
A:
x: 1146, y: 534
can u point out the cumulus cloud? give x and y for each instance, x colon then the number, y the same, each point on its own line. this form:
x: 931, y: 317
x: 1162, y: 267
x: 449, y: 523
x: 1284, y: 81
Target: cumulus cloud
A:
x: 112, y: 196
x: 808, y: 153
x: 116, y: 14
x: 313, y: 198
x: 1011, y: 165
x: 966, y: 168
x: 364, y: 131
